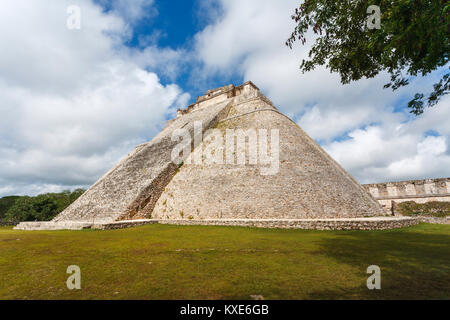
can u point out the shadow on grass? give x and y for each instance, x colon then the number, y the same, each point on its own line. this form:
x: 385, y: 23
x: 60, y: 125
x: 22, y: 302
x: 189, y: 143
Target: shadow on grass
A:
x: 414, y: 265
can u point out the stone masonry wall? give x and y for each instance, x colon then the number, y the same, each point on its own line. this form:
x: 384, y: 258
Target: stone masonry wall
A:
x: 309, y: 224
x: 378, y: 223
x: 419, y: 191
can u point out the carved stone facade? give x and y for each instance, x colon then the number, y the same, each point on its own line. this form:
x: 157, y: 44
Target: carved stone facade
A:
x: 419, y: 191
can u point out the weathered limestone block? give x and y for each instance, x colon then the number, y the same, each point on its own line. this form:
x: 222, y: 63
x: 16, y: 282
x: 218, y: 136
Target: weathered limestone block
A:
x: 392, y: 190
x: 430, y: 188
x: 410, y: 190
x: 374, y: 192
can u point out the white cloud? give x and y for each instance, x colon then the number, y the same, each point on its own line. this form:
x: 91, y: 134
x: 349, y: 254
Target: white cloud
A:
x: 398, y: 151
x: 380, y: 142
x: 166, y: 61
x: 131, y: 11
x: 72, y: 102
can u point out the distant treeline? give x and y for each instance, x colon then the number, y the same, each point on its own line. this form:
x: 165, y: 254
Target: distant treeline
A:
x: 43, y: 207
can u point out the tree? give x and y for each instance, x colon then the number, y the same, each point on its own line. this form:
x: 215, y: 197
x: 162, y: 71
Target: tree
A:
x: 412, y: 41
x: 5, y: 204
x: 22, y: 210
x: 43, y: 207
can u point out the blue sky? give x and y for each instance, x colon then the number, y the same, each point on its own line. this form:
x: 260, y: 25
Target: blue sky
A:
x: 174, y: 24
x: 177, y: 22
x: 74, y: 102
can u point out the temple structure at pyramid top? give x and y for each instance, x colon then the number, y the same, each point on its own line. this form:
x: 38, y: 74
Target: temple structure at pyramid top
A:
x: 277, y: 177
x: 247, y: 90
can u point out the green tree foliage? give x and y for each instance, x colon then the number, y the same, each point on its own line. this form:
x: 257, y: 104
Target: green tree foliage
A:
x: 433, y: 208
x: 22, y: 210
x: 6, y: 203
x: 43, y: 207
x: 412, y: 41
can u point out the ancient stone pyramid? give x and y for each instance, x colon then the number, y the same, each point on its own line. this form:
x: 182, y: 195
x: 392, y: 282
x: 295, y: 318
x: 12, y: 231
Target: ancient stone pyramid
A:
x: 147, y: 184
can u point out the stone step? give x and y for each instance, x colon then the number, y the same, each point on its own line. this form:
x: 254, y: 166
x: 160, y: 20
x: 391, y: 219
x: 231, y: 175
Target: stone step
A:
x: 123, y: 224
x: 76, y: 225
x: 50, y: 225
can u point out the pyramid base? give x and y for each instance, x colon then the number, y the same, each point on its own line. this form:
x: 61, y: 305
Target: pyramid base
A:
x: 375, y: 223
x: 49, y: 225
x: 75, y: 225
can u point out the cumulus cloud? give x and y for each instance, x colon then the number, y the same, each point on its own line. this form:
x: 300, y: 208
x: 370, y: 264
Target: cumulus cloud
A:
x: 364, y: 126
x: 414, y: 149
x: 72, y: 101
x: 167, y: 62
x: 131, y: 11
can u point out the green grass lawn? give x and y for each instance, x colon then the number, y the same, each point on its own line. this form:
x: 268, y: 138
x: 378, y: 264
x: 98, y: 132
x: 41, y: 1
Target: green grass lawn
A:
x: 206, y: 262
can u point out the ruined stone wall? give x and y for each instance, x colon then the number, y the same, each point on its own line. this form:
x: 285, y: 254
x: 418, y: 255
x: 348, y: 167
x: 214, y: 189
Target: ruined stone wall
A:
x: 419, y: 191
x: 316, y: 224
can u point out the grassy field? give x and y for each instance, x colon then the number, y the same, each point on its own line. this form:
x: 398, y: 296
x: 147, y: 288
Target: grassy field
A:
x: 200, y: 262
